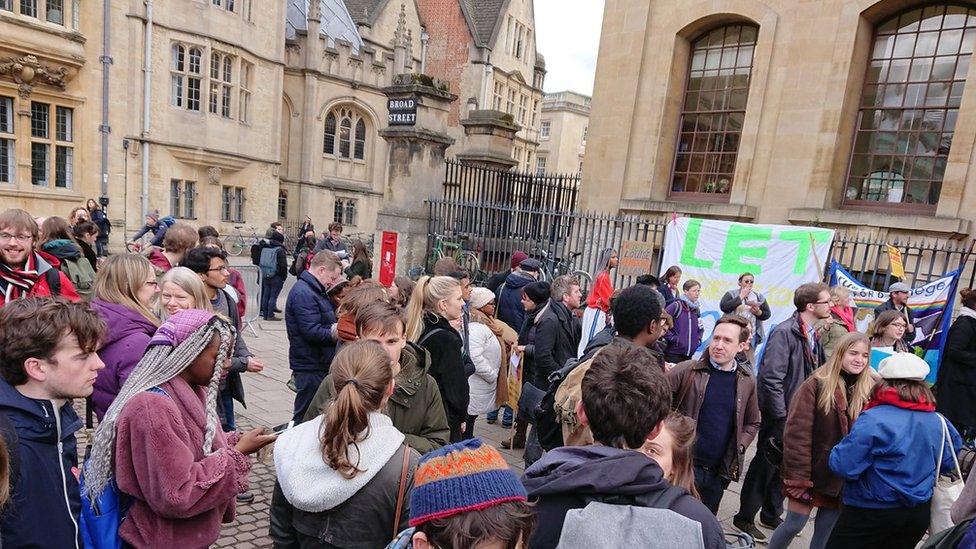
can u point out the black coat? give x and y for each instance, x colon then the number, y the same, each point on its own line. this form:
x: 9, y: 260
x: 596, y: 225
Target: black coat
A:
x: 557, y: 339
x: 956, y: 383
x: 443, y: 343
x: 497, y: 280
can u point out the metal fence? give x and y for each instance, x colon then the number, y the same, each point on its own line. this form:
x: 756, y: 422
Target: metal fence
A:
x: 573, y: 240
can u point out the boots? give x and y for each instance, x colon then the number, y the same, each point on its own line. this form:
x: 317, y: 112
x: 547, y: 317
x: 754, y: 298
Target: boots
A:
x: 517, y: 442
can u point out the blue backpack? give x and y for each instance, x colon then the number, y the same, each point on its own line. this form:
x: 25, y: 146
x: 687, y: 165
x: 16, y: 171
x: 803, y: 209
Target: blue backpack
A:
x: 269, y: 261
x: 101, y: 519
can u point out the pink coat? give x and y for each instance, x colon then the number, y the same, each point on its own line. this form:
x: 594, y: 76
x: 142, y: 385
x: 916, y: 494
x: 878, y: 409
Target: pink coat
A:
x: 181, y: 497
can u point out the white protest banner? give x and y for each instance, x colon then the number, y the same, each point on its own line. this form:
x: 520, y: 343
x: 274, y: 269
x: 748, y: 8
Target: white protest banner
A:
x: 716, y: 253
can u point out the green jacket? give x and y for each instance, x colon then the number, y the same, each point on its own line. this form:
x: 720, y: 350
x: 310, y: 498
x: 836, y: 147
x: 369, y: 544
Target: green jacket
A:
x: 415, y: 407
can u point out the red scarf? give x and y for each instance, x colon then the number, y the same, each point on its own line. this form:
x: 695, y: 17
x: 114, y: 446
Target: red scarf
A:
x: 846, y: 314
x: 17, y: 283
x: 890, y: 396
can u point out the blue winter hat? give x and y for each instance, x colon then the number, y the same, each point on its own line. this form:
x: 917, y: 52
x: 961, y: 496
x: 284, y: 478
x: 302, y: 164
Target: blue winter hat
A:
x: 459, y: 478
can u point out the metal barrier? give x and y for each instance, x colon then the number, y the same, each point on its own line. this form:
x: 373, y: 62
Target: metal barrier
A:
x: 251, y: 275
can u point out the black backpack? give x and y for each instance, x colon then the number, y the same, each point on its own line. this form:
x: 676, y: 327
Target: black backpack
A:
x: 256, y: 252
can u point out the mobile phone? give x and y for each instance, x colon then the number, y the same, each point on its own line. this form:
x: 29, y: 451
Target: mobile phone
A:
x: 283, y: 427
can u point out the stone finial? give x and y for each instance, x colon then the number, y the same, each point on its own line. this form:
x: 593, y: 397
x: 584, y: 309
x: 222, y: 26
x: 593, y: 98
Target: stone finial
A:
x: 400, y: 36
x: 409, y: 44
x: 314, y: 10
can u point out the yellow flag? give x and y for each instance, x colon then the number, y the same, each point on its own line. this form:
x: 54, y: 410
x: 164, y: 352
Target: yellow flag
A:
x: 894, y: 258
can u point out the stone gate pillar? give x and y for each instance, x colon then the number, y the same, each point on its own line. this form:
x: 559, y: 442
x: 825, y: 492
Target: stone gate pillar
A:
x: 417, y: 135
x: 489, y: 139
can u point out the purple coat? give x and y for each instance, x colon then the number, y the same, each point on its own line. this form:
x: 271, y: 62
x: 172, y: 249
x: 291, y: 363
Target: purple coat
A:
x: 686, y: 335
x: 125, y: 342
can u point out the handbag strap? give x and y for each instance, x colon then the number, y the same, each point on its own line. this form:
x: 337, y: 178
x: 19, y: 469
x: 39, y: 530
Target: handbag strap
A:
x: 945, y: 436
x: 402, y: 490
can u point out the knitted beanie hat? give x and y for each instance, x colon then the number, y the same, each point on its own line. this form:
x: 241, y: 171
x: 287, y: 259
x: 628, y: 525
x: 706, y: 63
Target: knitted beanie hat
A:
x: 538, y: 292
x: 518, y: 257
x: 180, y: 326
x: 459, y: 478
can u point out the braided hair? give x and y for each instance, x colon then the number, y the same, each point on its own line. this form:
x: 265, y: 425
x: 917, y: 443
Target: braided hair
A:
x: 160, y: 364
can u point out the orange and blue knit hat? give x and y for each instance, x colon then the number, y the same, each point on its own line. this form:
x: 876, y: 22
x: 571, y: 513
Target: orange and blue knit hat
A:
x: 459, y: 478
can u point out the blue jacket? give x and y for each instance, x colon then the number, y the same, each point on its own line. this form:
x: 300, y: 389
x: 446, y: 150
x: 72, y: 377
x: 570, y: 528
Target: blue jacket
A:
x: 888, y: 459
x: 510, y: 309
x: 308, y: 319
x: 685, y: 336
x: 45, y: 504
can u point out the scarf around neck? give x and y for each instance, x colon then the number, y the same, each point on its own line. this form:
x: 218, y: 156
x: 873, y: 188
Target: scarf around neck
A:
x: 693, y: 305
x: 16, y: 283
x: 889, y: 396
x: 966, y: 311
x: 846, y: 315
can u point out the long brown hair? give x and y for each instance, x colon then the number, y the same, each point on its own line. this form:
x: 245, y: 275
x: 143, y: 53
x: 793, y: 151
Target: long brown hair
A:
x: 682, y: 429
x: 361, y: 378
x: 830, y: 379
x: 877, y: 328
x: 909, y: 390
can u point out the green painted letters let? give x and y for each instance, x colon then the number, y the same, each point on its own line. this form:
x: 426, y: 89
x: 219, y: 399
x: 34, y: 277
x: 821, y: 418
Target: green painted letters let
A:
x: 734, y: 251
x: 691, y: 245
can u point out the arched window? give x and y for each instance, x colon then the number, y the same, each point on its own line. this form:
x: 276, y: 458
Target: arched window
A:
x: 713, y: 111
x: 360, y: 148
x: 178, y: 57
x: 345, y: 134
x: 909, y: 108
x: 330, y: 129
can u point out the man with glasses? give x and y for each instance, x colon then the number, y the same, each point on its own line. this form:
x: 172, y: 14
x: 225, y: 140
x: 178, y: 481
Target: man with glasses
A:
x: 792, y: 352
x: 25, y: 272
x: 750, y: 305
x: 898, y: 301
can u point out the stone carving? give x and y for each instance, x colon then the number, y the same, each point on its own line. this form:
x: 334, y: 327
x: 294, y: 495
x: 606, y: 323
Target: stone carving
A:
x: 27, y: 71
x: 213, y: 174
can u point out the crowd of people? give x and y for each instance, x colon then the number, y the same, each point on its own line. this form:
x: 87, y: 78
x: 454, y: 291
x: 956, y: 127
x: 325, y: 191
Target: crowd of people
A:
x: 629, y: 413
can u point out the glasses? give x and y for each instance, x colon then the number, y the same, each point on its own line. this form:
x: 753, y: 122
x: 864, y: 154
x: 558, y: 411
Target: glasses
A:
x: 218, y: 269
x: 822, y: 302
x: 22, y: 238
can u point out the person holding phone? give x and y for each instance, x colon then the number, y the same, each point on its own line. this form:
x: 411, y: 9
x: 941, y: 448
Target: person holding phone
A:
x: 821, y: 414
x: 749, y: 304
x: 161, y: 438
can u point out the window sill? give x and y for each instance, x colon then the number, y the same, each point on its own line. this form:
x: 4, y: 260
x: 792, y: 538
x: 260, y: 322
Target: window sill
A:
x: 46, y: 193
x: 952, y: 227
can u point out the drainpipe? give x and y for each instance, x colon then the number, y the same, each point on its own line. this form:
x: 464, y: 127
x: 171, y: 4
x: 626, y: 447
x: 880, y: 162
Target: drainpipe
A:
x: 104, y: 128
x: 146, y: 99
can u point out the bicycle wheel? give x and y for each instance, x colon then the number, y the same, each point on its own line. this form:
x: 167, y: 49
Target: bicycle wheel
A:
x: 584, y: 277
x: 234, y: 245
x: 468, y: 261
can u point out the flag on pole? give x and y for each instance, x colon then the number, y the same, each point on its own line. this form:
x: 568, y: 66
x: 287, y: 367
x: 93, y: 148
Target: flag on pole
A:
x: 894, y: 259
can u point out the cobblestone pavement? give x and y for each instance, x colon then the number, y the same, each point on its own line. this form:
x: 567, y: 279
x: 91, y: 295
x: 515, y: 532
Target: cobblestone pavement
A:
x: 269, y: 403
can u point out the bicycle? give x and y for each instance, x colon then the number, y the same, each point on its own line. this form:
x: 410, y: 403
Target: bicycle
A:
x: 466, y: 260
x: 235, y: 243
x: 551, y: 268
x: 137, y: 246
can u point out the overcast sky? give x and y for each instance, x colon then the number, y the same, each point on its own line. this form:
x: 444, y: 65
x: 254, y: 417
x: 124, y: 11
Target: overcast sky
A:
x: 568, y: 34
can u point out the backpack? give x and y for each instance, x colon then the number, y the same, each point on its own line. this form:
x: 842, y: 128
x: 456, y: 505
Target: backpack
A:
x: 167, y: 221
x: 256, y: 249
x: 298, y: 266
x: 80, y: 273
x: 632, y: 521
x: 53, y: 277
x: 100, y: 519
x: 269, y: 261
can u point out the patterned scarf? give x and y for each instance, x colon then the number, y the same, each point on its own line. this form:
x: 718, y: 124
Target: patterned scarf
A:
x: 17, y: 283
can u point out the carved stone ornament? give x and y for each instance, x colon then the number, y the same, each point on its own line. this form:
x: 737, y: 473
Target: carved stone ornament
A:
x: 213, y: 174
x: 27, y: 71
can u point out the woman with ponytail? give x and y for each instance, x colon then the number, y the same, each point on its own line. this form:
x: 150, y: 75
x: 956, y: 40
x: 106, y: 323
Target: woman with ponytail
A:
x: 435, y: 304
x: 161, y: 439
x: 346, y: 475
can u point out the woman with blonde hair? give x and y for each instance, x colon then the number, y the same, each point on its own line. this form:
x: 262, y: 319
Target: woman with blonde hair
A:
x: 841, y: 321
x: 887, y: 331
x: 181, y: 289
x: 674, y: 449
x: 435, y: 304
x: 821, y: 414
x: 347, y: 474
x: 125, y: 289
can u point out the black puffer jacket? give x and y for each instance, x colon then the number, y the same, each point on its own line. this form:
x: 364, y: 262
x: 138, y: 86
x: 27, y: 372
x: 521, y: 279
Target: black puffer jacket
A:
x: 447, y: 367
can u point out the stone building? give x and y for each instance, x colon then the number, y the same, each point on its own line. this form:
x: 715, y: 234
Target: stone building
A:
x: 857, y: 114
x: 486, y: 51
x: 192, y: 133
x: 562, y: 133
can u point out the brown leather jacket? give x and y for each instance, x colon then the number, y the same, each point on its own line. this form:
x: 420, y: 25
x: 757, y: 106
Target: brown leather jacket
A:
x: 688, y: 381
x: 809, y: 436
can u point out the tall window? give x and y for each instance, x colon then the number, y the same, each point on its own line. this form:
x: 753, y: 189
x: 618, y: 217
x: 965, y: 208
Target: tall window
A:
x: 499, y: 96
x: 186, y: 76
x: 7, y: 141
x: 282, y: 204
x: 232, y: 204
x: 221, y: 79
x: 544, y: 129
x: 182, y: 202
x: 244, y: 106
x: 909, y: 108
x: 28, y: 8
x: 55, y: 11
x: 540, y: 165
x: 40, y: 143
x: 713, y: 110
x: 511, y: 101
x: 345, y: 211
x: 7, y: 5
x: 64, y: 151
x: 523, y: 108
x: 345, y: 134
